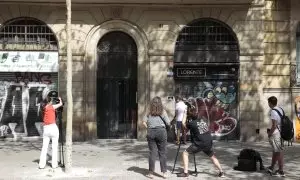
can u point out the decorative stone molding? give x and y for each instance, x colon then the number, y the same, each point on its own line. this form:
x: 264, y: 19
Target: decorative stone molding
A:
x: 117, y: 12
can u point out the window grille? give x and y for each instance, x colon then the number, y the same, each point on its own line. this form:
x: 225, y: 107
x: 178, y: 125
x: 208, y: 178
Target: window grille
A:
x: 208, y: 33
x: 27, y: 34
x: 206, y: 40
x: 297, y: 74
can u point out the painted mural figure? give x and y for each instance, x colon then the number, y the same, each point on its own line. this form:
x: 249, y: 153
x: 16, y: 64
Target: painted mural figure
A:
x: 216, y: 104
x: 297, y: 121
x: 33, y: 115
x: 25, y: 106
x: 12, y: 109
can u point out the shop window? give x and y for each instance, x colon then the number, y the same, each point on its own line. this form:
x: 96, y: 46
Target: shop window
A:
x: 298, y: 55
x: 27, y: 34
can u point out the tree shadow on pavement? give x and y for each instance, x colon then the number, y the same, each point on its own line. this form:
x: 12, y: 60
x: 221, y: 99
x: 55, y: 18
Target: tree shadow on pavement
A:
x: 142, y: 171
x: 47, y: 163
x: 17, y: 147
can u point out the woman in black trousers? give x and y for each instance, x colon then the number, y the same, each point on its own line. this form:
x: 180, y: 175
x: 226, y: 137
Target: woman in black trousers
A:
x: 155, y: 122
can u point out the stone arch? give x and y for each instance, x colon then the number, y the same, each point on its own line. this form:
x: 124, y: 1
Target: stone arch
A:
x: 141, y: 41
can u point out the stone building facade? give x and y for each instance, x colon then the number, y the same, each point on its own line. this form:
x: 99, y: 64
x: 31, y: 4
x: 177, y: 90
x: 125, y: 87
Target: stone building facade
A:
x: 236, y: 52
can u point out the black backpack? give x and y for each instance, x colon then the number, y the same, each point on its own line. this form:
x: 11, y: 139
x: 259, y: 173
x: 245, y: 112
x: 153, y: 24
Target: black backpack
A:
x: 247, y: 160
x: 287, y: 127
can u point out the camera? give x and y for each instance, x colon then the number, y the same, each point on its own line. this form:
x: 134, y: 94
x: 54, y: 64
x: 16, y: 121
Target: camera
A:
x: 55, y: 100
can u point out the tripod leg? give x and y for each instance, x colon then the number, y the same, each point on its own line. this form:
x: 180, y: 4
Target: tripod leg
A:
x: 62, y: 153
x: 195, y: 164
x: 62, y: 145
x: 60, y: 157
x: 61, y: 140
x: 176, y: 156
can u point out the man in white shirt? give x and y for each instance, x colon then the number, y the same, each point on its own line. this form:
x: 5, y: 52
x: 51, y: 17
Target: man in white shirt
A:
x: 275, y: 138
x: 180, y: 114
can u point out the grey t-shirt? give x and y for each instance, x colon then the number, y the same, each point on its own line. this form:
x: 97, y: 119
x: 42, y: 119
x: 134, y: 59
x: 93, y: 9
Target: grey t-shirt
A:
x: 156, y: 121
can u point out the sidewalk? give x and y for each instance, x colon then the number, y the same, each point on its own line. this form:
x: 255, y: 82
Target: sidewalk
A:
x: 127, y: 159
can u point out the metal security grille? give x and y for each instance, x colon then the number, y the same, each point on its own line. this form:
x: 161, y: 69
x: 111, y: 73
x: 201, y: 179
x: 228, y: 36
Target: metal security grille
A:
x: 206, y: 73
x: 20, y: 96
x: 206, y: 40
x: 27, y: 34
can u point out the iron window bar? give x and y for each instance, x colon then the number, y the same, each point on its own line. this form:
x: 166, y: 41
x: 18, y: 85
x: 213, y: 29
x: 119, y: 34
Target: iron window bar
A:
x: 31, y: 36
x: 206, y: 33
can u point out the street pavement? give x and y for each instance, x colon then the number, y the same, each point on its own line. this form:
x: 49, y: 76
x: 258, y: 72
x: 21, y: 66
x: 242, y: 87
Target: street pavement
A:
x: 128, y: 159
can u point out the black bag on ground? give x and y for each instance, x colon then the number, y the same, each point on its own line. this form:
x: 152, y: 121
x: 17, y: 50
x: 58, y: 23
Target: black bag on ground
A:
x: 287, y: 127
x: 247, y: 160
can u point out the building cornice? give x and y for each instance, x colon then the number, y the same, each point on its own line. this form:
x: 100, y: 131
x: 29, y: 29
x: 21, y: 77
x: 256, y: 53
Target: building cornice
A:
x: 147, y: 3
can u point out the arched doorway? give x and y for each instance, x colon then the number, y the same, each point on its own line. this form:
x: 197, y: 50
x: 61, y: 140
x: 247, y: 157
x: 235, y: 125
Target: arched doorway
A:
x: 28, y: 69
x: 206, y: 73
x: 117, y: 86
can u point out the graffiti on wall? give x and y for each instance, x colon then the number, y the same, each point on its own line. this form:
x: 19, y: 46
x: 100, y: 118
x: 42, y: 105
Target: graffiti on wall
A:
x: 216, y: 102
x: 297, y: 121
x: 21, y: 95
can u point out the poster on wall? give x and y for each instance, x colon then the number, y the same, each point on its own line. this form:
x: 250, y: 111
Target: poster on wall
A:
x: 28, y: 61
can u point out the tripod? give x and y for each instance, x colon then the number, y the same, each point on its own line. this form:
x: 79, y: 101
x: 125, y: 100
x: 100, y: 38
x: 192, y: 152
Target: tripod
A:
x: 178, y: 149
x: 61, y: 154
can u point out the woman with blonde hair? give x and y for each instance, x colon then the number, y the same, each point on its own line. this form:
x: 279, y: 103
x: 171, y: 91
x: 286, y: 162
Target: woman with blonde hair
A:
x: 155, y: 122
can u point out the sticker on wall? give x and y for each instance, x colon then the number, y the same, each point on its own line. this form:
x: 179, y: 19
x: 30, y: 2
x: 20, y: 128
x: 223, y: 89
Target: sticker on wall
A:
x: 170, y: 69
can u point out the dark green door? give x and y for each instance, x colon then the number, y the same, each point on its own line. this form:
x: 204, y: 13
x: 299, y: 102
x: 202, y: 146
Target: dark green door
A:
x: 117, y: 87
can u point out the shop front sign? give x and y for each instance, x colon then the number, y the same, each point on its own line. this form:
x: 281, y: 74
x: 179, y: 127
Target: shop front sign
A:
x: 28, y: 61
x: 191, y: 72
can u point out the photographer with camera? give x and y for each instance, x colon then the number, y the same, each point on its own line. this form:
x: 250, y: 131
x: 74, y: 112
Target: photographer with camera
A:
x: 50, y: 131
x: 201, y: 141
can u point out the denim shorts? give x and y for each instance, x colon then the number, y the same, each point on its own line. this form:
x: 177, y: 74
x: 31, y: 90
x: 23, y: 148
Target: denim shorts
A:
x: 179, y: 125
x: 193, y: 149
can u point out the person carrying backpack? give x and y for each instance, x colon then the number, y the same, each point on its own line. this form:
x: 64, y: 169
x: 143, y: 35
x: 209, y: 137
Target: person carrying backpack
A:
x: 275, y: 137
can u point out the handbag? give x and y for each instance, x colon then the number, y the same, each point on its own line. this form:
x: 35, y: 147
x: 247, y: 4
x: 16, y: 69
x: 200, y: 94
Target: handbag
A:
x: 167, y: 126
